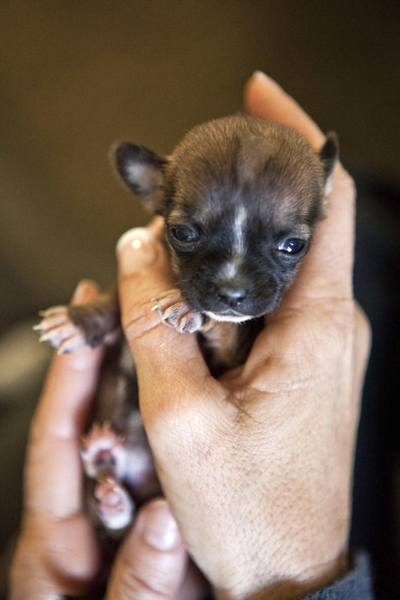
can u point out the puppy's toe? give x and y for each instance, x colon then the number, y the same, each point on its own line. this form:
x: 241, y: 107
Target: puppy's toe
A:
x: 53, y: 311
x: 166, y: 301
x: 177, y: 313
x: 173, y: 314
x: 51, y: 318
x: 191, y: 322
x: 72, y: 344
x: 57, y: 329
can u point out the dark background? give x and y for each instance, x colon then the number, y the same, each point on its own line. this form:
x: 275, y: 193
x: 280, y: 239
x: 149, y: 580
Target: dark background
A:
x: 77, y: 75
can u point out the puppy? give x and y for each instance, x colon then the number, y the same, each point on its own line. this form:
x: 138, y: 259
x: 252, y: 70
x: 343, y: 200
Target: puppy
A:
x: 240, y: 199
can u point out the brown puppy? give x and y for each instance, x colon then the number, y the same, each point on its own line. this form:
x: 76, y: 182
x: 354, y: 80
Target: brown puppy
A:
x: 240, y: 198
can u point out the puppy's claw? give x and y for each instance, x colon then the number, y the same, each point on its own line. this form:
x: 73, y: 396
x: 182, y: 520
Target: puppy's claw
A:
x: 158, y: 309
x: 173, y: 314
x: 183, y: 318
x: 54, y: 310
x: 167, y: 299
x: 177, y: 313
x: 54, y: 334
x: 59, y: 331
x: 174, y: 293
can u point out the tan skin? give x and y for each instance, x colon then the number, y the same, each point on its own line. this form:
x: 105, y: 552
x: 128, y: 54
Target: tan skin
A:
x: 257, y: 466
x: 57, y: 551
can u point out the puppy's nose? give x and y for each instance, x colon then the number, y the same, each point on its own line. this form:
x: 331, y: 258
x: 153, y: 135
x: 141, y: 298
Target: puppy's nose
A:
x: 232, y: 296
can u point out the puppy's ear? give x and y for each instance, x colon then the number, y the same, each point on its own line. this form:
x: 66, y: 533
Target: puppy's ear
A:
x: 142, y: 171
x: 329, y: 155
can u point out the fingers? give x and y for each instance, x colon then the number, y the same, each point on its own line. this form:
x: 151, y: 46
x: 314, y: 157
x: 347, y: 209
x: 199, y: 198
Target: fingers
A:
x: 152, y: 561
x: 57, y: 548
x: 265, y: 99
x: 54, y: 473
x: 168, y: 362
x: 327, y: 269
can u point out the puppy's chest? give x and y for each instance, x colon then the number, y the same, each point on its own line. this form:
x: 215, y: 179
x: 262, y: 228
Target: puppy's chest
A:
x: 117, y: 399
x: 223, y: 345
x: 226, y: 345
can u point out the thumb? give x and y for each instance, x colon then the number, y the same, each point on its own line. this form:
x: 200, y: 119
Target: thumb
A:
x: 175, y: 358
x: 152, y: 560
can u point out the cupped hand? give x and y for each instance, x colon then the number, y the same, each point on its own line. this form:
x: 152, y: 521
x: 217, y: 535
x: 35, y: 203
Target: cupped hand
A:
x: 257, y: 466
x: 57, y: 551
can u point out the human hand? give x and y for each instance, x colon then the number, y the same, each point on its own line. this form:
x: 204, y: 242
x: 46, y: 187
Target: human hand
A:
x: 257, y: 467
x: 57, y: 551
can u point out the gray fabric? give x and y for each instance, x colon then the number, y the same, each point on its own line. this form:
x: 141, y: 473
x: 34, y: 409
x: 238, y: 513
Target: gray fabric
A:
x: 356, y: 585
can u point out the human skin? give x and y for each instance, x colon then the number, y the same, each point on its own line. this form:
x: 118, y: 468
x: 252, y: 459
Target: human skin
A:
x: 57, y: 551
x: 257, y: 466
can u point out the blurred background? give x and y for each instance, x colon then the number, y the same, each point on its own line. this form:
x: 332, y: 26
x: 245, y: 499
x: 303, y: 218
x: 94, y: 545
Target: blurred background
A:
x: 77, y: 75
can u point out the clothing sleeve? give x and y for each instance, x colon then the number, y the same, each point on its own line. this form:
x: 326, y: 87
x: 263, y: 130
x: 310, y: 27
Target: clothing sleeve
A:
x: 355, y: 585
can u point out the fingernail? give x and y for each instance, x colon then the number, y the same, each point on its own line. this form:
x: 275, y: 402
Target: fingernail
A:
x: 261, y: 76
x: 136, y: 249
x: 158, y: 527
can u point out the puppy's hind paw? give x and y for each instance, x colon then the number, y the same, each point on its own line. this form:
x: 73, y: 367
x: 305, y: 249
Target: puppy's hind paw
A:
x: 103, y: 452
x: 115, y: 507
x: 177, y: 313
x: 59, y: 331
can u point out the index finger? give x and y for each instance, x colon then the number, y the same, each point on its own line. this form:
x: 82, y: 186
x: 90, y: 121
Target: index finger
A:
x: 327, y: 269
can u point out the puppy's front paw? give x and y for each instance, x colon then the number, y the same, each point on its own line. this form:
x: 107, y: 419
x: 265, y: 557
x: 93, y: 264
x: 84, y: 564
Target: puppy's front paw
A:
x: 59, y: 331
x: 177, y: 313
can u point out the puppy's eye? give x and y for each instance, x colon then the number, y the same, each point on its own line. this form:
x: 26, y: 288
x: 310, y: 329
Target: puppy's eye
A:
x: 185, y: 233
x: 292, y: 246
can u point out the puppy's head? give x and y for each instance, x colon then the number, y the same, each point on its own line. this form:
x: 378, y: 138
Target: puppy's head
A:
x: 240, y: 197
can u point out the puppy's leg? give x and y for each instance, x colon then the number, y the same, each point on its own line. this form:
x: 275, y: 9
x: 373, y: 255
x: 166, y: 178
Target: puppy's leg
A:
x: 177, y: 313
x: 104, y: 459
x: 226, y: 345
x: 70, y: 328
